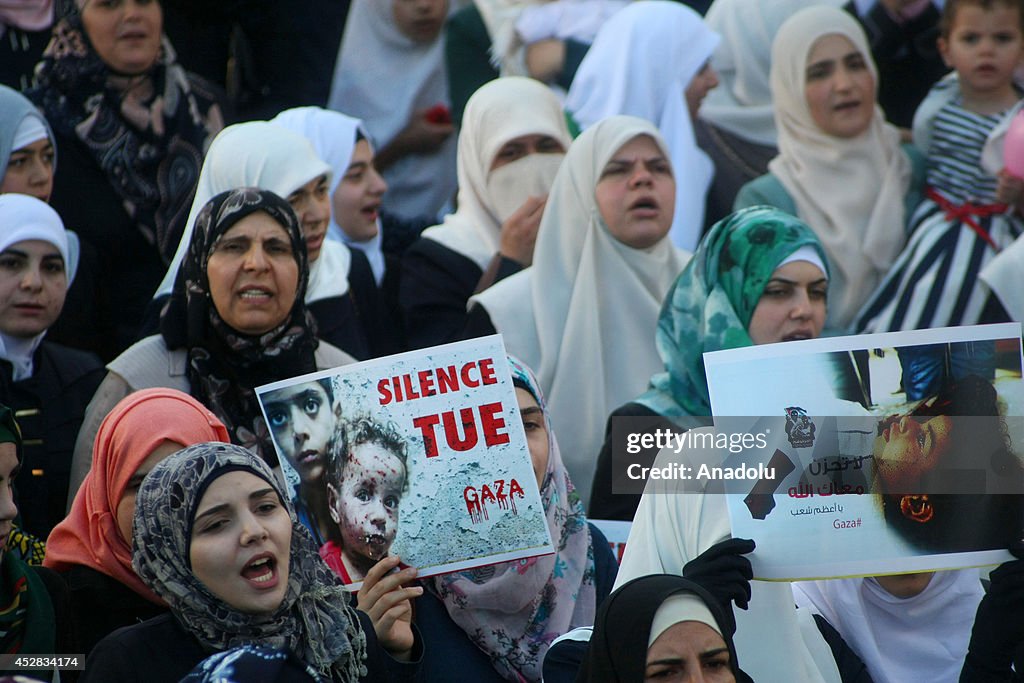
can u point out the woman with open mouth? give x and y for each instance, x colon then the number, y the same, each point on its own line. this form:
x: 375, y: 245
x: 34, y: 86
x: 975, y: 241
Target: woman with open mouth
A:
x: 356, y: 194
x: 215, y: 538
x: 237, y: 319
x: 270, y: 157
x: 841, y: 168
x: 622, y: 74
x: 584, y: 315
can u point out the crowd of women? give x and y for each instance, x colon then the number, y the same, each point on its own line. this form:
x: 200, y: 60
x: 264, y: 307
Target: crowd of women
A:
x: 615, y: 187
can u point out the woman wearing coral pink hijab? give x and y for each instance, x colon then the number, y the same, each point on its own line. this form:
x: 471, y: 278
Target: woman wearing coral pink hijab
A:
x: 92, y: 548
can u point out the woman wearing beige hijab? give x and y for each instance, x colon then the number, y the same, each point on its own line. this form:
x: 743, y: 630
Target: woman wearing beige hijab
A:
x: 511, y: 145
x: 841, y: 167
x: 585, y: 314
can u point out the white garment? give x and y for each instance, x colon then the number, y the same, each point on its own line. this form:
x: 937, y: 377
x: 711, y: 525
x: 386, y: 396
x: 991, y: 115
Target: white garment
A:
x: 850, y: 191
x: 500, y: 17
x: 640, y: 64
x: 383, y: 77
x: 578, y: 20
x: 922, y: 638
x: 27, y: 218
x: 585, y: 314
x: 498, y: 112
x: 333, y: 136
x: 742, y: 102
x: 774, y: 641
x: 270, y: 157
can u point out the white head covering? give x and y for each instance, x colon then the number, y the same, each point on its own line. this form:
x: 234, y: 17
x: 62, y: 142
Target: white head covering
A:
x: 921, y: 638
x: 640, y: 64
x: 21, y: 124
x: 27, y: 218
x: 673, y: 526
x: 333, y: 135
x: 382, y: 77
x: 678, y: 608
x: 498, y: 112
x: 742, y: 102
x: 849, y: 191
x: 585, y: 314
x: 269, y: 157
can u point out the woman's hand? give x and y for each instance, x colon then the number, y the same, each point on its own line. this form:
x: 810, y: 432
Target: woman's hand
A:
x: 724, y: 571
x: 1010, y: 189
x: 423, y: 134
x: 519, y: 232
x: 388, y: 602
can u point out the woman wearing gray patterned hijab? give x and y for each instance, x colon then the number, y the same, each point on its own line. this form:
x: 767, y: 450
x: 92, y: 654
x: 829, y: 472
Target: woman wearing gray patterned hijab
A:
x: 215, y: 537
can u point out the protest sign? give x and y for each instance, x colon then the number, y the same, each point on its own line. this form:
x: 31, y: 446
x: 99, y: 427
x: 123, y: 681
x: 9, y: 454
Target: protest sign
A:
x: 872, y: 454
x: 421, y: 455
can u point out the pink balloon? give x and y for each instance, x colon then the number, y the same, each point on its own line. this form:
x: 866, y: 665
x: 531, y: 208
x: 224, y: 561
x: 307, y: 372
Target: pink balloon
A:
x: 1013, y: 146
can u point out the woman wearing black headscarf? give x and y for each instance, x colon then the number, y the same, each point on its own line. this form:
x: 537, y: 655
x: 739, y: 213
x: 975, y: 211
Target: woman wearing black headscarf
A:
x: 659, y: 624
x: 131, y: 127
x: 236, y: 320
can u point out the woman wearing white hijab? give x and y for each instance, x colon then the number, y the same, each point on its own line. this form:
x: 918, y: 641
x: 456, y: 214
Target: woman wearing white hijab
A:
x: 512, y: 142
x: 270, y: 157
x: 584, y: 316
x: 48, y: 385
x: 736, y: 127
x: 355, y: 191
x: 334, y: 137
x: 641, y: 63
x: 843, y: 172
x: 388, y: 74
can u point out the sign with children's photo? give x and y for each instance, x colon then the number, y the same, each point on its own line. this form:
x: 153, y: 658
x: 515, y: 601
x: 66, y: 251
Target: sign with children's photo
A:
x: 421, y: 455
x: 872, y: 454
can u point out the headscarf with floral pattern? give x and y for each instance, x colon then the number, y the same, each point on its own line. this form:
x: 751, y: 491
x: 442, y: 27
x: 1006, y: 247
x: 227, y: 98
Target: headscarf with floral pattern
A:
x: 513, y: 611
x: 710, y: 305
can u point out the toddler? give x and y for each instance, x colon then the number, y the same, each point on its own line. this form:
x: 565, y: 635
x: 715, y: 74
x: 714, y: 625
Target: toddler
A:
x: 366, y: 477
x: 965, y: 220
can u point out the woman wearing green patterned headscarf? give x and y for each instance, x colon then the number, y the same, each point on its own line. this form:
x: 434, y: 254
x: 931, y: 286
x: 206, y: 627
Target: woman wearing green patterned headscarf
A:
x: 760, y: 276
x: 34, y: 617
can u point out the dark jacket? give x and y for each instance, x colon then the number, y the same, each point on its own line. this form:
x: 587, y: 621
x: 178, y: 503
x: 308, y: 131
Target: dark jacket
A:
x: 49, y: 406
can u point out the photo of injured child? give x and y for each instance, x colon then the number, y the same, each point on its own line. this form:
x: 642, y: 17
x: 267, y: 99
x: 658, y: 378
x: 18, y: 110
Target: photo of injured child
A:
x: 366, y: 478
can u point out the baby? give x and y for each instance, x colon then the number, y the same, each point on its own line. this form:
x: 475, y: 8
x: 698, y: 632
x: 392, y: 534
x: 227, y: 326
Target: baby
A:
x: 366, y: 477
x: 305, y: 421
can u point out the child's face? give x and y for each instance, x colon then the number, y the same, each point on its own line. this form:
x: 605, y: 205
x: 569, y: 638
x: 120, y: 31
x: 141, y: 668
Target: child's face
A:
x: 302, y: 421
x: 984, y: 46
x: 366, y: 503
